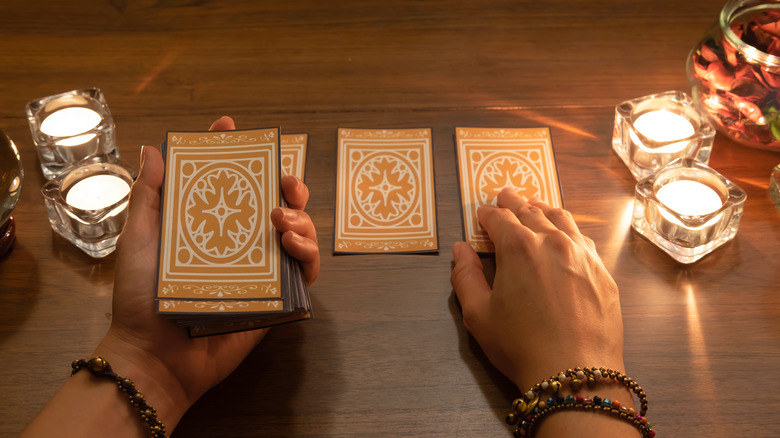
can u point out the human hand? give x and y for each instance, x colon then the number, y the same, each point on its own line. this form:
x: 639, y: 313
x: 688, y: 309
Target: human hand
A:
x: 553, y: 305
x: 169, y: 368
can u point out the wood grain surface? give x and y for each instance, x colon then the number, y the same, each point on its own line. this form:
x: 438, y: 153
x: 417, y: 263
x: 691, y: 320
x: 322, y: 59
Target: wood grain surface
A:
x: 386, y: 353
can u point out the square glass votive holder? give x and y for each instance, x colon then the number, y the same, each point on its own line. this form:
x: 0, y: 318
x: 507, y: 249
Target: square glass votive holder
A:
x: 687, y: 209
x: 774, y: 186
x: 652, y: 131
x: 70, y: 127
x: 87, y: 205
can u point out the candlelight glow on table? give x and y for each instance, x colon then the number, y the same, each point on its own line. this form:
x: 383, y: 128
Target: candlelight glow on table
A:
x: 652, y: 131
x: 70, y: 127
x: 88, y: 205
x: 687, y: 209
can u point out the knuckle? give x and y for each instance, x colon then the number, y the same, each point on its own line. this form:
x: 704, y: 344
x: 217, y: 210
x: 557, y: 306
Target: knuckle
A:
x: 559, y: 241
x: 560, y: 213
x: 534, y: 210
x: 512, y: 238
x: 589, y: 242
x: 469, y: 318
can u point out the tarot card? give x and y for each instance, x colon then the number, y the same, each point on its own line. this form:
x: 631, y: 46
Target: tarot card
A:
x: 294, y: 154
x: 221, y: 265
x: 217, y: 241
x: 385, y: 197
x: 490, y: 159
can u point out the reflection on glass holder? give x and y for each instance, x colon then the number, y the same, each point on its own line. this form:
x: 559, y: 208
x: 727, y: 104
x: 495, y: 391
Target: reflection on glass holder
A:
x: 70, y: 127
x: 774, y: 186
x: 652, y: 131
x: 11, y: 179
x: 87, y: 204
x: 687, y: 209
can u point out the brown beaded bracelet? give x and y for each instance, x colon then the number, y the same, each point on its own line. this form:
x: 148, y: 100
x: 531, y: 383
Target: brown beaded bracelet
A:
x: 577, y: 377
x: 527, y: 427
x: 99, y: 367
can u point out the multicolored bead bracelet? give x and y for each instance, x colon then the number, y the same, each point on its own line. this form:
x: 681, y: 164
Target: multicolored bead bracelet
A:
x: 576, y: 378
x: 99, y: 367
x: 525, y: 407
x: 527, y: 427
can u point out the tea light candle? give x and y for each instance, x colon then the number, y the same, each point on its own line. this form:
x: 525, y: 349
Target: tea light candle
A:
x: 663, y: 126
x: 687, y: 209
x: 88, y: 205
x: 70, y: 127
x: 690, y: 198
x: 71, y: 121
x: 652, y: 131
x: 97, y: 192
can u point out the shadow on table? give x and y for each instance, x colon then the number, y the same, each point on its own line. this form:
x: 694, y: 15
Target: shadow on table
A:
x: 19, y: 294
x: 261, y: 397
x: 99, y: 272
x: 489, y: 379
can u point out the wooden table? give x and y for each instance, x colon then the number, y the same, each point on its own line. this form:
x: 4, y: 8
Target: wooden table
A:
x: 387, y: 354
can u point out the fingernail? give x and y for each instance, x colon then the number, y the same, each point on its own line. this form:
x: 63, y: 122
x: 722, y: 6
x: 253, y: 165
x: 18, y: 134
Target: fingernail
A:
x: 288, y: 214
x: 293, y: 237
x: 143, y: 156
x: 456, y: 250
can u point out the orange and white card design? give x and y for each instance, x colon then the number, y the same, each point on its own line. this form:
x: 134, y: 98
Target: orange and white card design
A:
x: 219, y: 306
x: 490, y: 159
x: 385, y: 197
x: 217, y: 241
x: 294, y: 154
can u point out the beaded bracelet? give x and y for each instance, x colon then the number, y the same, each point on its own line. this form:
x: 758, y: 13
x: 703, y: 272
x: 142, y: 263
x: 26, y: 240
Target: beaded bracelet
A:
x: 527, y: 427
x: 577, y: 377
x: 99, y: 367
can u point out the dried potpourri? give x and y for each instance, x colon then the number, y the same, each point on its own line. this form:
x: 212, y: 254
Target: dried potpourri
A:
x: 741, y: 93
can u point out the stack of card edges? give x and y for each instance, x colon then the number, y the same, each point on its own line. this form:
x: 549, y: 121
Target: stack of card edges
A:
x: 221, y: 267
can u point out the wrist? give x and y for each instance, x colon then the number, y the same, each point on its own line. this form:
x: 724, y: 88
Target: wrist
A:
x: 151, y: 377
x: 527, y: 377
x: 573, y: 392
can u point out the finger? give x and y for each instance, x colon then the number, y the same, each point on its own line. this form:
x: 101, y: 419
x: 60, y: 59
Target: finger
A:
x: 225, y: 123
x: 529, y: 215
x: 287, y: 219
x: 138, y: 243
x: 306, y: 251
x: 471, y: 288
x: 503, y: 228
x: 562, y: 219
x: 144, y: 205
x: 295, y: 192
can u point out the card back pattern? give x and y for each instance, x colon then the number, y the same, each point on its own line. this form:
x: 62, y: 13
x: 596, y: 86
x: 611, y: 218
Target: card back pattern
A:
x: 385, y: 199
x: 216, y: 239
x: 490, y: 159
x: 293, y: 152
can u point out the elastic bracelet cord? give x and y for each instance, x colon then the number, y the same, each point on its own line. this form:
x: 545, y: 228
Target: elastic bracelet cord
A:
x: 534, y: 405
x: 99, y: 367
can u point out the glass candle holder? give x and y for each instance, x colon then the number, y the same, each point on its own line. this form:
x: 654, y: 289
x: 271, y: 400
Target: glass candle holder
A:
x: 69, y: 127
x: 11, y: 179
x: 734, y: 71
x: 87, y: 205
x: 774, y: 186
x: 652, y: 131
x: 687, y: 209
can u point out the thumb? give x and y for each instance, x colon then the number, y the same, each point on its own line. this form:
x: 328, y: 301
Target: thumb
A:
x: 468, y: 280
x: 145, y: 194
x: 143, y: 211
